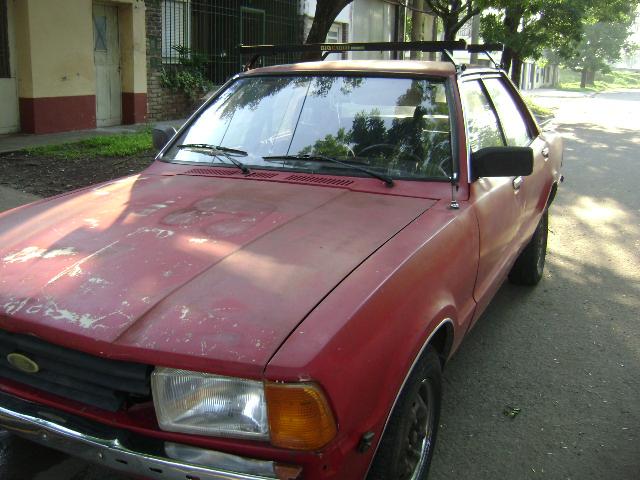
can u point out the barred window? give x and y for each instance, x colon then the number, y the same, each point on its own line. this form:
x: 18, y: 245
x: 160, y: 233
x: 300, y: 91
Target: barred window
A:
x: 176, y: 28
x: 212, y: 29
x: 5, y: 70
x: 465, y: 30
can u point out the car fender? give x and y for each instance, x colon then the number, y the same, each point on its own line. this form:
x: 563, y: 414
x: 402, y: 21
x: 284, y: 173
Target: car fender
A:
x: 366, y: 335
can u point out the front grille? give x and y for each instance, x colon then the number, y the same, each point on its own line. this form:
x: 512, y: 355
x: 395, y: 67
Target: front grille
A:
x: 102, y: 383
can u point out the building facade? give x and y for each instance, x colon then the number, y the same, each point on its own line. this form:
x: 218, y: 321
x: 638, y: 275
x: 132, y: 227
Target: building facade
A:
x: 211, y: 31
x: 78, y: 64
x: 71, y: 64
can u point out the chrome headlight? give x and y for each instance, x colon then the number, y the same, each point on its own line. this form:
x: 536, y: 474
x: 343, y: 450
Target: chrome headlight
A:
x: 205, y: 404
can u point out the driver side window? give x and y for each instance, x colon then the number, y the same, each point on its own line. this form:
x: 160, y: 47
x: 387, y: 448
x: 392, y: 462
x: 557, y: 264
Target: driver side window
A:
x: 482, y: 123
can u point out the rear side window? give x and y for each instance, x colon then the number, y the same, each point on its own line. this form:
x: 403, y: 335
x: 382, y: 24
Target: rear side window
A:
x: 482, y: 123
x: 515, y: 128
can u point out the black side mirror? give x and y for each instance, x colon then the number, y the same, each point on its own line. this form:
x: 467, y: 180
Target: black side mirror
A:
x: 502, y: 162
x: 161, y: 136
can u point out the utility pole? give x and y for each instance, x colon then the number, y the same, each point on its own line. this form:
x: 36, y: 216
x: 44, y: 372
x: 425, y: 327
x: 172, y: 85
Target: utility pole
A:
x: 475, y: 36
x: 417, y: 26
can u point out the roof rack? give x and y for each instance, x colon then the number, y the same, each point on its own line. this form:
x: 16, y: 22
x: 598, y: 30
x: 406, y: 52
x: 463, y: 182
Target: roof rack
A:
x: 445, y: 47
x: 486, y: 48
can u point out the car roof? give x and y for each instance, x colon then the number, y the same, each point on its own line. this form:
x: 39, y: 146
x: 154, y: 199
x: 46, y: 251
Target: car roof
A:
x: 362, y: 66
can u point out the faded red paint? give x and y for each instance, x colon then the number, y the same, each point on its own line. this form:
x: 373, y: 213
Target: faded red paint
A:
x: 268, y: 277
x: 134, y: 107
x: 57, y: 114
x: 128, y: 277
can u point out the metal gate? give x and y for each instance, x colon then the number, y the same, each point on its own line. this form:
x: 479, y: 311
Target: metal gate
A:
x: 214, y: 29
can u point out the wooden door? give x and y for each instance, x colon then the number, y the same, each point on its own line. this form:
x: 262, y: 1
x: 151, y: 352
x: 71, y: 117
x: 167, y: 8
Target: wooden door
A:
x: 106, y: 55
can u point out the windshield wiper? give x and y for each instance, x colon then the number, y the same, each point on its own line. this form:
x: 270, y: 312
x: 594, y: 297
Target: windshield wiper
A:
x: 315, y: 157
x: 226, y: 152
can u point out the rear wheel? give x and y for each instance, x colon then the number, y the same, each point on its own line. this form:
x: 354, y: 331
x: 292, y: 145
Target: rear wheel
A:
x: 529, y: 266
x: 406, y: 448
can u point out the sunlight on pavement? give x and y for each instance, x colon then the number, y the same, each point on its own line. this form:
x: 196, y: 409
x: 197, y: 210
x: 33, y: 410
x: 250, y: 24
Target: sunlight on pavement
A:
x: 597, y: 213
x: 606, y: 228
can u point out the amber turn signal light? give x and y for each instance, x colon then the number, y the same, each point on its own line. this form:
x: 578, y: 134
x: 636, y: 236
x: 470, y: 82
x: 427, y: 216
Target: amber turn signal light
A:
x: 299, y: 416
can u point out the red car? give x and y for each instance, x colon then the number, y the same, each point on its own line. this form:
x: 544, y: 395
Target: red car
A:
x: 276, y: 296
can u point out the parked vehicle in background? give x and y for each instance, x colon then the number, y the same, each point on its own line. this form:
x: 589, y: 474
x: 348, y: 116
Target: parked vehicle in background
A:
x: 276, y: 296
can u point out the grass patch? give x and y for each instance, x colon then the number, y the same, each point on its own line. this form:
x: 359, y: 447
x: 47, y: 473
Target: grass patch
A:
x: 617, y: 79
x: 538, y: 110
x: 121, y: 145
x: 575, y: 87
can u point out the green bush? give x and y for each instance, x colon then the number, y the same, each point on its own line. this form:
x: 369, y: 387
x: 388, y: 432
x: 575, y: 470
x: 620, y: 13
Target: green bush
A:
x: 188, y: 75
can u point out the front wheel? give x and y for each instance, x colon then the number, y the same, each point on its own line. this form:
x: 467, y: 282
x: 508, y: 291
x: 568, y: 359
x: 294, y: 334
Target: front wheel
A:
x: 406, y: 447
x: 529, y: 266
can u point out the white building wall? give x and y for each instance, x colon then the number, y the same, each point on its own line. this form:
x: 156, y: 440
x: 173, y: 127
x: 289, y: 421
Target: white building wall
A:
x: 360, y: 21
x: 632, y: 61
x: 309, y: 9
x: 534, y: 76
x: 373, y: 21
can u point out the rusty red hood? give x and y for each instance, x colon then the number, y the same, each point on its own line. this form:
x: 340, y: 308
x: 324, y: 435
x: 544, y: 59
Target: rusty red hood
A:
x: 202, y: 273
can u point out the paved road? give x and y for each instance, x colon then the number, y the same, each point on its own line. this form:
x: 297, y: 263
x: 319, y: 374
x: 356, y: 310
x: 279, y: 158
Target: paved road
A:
x: 566, y: 353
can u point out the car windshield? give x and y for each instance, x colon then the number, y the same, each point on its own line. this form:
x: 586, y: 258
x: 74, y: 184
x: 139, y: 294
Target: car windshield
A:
x: 398, y: 127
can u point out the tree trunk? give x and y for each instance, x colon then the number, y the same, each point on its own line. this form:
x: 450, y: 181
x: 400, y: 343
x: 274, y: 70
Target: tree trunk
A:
x: 475, y: 37
x: 583, y: 78
x: 325, y: 15
x: 449, y: 22
x: 591, y: 77
x: 507, y: 56
x: 512, y: 20
x: 516, y: 72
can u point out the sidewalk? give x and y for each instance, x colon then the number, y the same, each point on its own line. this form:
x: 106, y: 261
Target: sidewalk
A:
x: 20, y: 141
x: 556, y: 93
x: 10, y: 198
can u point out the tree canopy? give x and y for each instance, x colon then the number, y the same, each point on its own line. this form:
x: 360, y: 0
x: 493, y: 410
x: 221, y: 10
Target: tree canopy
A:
x: 454, y: 13
x: 585, y: 33
x: 601, y: 44
x: 529, y: 28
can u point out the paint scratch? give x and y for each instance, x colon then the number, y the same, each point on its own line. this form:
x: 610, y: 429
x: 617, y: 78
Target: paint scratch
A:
x: 77, y: 264
x: 31, y: 253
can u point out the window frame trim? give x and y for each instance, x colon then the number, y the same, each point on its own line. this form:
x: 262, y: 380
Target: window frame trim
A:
x: 478, y: 79
x: 532, y: 137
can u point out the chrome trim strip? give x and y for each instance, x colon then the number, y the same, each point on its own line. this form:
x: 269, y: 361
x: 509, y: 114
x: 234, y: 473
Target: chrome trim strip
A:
x: 111, y: 452
x: 395, y: 401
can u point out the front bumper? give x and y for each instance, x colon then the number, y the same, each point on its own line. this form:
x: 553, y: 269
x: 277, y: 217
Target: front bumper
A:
x: 124, y: 451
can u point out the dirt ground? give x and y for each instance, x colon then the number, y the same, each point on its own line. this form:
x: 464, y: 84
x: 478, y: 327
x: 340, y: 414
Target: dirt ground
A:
x: 40, y: 175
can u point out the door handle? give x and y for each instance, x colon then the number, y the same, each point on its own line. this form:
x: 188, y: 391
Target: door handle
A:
x: 545, y: 153
x: 517, y: 183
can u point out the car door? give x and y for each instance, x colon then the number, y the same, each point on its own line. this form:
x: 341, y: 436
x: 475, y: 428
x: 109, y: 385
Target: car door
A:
x: 520, y: 131
x: 495, y: 200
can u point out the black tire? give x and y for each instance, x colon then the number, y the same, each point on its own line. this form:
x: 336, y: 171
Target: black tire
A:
x: 529, y: 266
x: 406, y: 447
